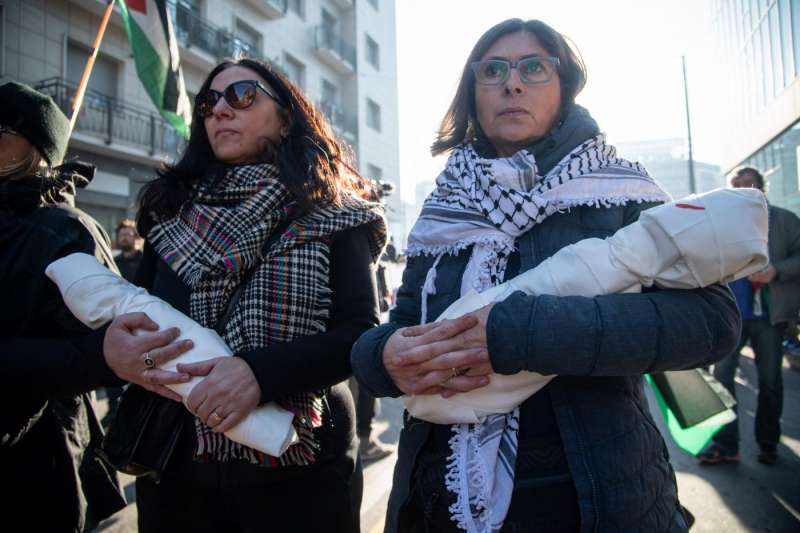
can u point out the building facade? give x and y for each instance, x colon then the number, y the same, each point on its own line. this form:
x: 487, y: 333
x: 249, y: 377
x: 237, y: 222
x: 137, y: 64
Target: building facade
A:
x: 758, y: 45
x: 342, y: 53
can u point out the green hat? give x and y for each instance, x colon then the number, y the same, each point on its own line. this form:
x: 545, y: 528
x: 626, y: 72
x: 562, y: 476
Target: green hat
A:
x: 36, y: 117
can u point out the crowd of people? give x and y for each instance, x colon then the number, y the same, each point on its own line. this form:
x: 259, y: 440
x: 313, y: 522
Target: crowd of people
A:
x: 262, y: 230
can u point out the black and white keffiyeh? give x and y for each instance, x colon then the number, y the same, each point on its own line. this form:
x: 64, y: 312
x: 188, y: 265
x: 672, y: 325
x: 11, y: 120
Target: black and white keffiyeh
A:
x: 218, y: 237
x: 487, y: 203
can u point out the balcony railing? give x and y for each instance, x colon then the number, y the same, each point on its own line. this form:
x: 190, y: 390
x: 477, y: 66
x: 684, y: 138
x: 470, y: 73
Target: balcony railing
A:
x: 270, y: 8
x: 114, y: 121
x: 344, y: 122
x: 192, y: 29
x: 340, y: 54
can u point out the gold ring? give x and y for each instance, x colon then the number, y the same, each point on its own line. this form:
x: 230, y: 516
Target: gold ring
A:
x: 216, y: 417
x: 454, y: 373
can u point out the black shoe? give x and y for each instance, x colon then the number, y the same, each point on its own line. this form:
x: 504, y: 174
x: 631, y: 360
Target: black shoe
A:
x: 714, y: 455
x: 371, y: 450
x: 768, y: 457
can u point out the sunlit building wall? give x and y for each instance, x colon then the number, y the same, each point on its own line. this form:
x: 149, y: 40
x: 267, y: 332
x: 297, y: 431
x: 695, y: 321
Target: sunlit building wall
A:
x: 759, y: 49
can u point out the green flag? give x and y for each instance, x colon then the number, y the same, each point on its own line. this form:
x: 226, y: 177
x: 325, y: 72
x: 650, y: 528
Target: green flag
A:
x: 155, y: 52
x: 694, y: 406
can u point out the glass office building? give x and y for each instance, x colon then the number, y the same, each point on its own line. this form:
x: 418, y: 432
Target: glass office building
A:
x: 759, y: 43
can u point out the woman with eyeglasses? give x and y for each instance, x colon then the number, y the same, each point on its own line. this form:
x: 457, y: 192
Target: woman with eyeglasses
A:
x: 528, y: 173
x: 259, y: 231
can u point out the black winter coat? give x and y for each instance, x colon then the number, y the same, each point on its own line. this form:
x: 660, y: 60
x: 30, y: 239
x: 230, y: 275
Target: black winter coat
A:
x: 49, y: 363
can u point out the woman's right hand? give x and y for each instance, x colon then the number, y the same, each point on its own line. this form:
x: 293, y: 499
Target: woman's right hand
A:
x: 124, y: 350
x: 421, y: 371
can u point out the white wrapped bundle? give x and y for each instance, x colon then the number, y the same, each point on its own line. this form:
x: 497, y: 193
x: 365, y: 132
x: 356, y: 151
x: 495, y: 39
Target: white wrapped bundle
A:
x: 95, y: 295
x: 703, y: 239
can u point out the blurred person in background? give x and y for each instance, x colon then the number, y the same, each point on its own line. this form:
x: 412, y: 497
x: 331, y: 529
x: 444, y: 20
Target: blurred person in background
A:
x: 768, y: 301
x: 130, y: 254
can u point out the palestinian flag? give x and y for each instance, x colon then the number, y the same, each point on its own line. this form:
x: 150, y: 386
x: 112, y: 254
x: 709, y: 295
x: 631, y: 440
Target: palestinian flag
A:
x: 155, y: 51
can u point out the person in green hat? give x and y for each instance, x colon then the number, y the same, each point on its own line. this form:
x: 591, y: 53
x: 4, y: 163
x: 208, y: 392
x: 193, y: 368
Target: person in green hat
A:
x: 50, y: 361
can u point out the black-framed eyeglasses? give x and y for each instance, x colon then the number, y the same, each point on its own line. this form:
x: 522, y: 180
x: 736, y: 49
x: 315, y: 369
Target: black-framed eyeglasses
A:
x: 6, y: 130
x: 532, y: 70
x: 239, y: 95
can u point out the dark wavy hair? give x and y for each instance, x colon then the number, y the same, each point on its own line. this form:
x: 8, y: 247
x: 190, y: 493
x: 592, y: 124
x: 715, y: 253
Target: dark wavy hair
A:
x: 460, y: 123
x: 312, y: 163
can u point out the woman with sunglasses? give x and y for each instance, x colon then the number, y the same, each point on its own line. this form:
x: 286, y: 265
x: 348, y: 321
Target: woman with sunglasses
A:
x: 259, y: 231
x: 529, y: 173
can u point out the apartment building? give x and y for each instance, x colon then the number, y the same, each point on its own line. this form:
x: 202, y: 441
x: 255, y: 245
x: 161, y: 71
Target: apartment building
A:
x: 341, y: 52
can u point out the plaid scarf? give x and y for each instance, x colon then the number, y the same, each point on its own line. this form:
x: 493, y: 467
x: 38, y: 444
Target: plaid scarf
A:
x: 488, y: 204
x: 217, y: 238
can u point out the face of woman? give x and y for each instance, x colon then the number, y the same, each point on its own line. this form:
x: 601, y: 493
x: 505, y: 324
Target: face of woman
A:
x: 239, y: 136
x: 513, y: 115
x: 13, y: 149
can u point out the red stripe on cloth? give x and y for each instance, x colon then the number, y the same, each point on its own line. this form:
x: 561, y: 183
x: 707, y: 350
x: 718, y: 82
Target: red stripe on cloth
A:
x: 690, y: 206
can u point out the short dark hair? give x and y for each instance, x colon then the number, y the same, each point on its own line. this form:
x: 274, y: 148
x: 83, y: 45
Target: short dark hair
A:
x: 312, y: 164
x: 460, y: 123
x: 751, y: 171
x: 126, y: 223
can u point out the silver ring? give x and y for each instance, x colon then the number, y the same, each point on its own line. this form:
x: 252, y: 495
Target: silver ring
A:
x: 149, y: 362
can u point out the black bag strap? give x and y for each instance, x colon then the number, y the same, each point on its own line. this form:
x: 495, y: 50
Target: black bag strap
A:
x: 237, y: 293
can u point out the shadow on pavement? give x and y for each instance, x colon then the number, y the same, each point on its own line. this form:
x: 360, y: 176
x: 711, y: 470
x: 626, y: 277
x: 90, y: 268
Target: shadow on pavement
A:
x: 747, y: 496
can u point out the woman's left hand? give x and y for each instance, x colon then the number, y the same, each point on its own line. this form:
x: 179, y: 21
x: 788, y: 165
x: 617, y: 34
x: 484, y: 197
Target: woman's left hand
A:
x: 440, y: 359
x: 228, y: 393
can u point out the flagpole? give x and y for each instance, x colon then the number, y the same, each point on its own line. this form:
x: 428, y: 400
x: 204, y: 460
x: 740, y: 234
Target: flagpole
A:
x: 87, y: 70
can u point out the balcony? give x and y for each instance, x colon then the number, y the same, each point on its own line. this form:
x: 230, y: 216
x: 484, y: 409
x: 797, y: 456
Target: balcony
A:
x: 272, y: 9
x: 334, y: 51
x: 346, y: 125
x: 194, y: 31
x: 111, y: 121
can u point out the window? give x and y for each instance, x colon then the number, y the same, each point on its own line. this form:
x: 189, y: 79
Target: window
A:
x: 249, y: 40
x: 785, y: 17
x: 373, y: 3
x: 102, y: 82
x: 295, y: 70
x: 766, y: 72
x: 298, y: 7
x: 185, y: 13
x: 330, y: 93
x: 328, y: 20
x: 775, y: 42
x: 373, y: 52
x: 796, y: 33
x: 374, y: 172
x: 373, y: 115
